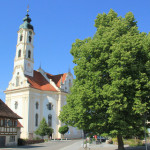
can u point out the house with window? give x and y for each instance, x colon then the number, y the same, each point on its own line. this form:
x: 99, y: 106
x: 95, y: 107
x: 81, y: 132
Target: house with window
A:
x: 34, y: 94
x: 9, y: 126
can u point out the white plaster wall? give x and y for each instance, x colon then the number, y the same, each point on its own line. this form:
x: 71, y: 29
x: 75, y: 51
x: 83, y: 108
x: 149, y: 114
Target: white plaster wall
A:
x: 29, y: 47
x: 25, y: 33
x: 24, y: 46
x: 32, y: 36
x: 22, y: 98
x: 34, y: 97
x: 73, y: 133
x: 25, y: 120
x: 19, y: 62
x: 50, y: 99
x: 18, y: 99
x: 18, y: 72
x: 65, y: 86
x: 19, y: 47
x: 8, y: 143
x: 30, y: 70
x: 21, y: 31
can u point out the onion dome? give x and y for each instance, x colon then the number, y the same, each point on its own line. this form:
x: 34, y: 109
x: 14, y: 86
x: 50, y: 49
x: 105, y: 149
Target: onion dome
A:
x: 26, y: 24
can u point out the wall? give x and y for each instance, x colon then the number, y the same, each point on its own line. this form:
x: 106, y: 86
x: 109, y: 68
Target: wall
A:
x: 73, y: 133
x: 8, y: 143
x: 22, y: 97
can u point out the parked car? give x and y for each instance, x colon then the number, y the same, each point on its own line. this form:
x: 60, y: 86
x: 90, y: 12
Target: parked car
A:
x: 101, y: 138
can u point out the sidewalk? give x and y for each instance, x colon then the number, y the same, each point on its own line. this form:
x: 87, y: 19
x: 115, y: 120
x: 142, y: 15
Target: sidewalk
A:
x: 79, y: 146
x: 102, y: 146
x: 105, y: 146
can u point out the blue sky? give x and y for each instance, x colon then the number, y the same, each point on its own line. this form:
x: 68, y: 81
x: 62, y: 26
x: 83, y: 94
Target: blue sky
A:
x: 57, y: 23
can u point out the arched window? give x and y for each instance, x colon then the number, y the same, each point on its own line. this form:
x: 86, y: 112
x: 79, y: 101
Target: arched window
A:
x: 30, y: 39
x: 50, y: 120
x: 21, y: 37
x: 29, y: 54
x: 37, y: 105
x: 17, y: 81
x: 16, y: 105
x: 19, y: 53
x: 36, y: 120
x: 49, y: 106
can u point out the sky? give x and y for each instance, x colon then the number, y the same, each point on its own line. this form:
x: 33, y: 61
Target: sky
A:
x: 57, y: 24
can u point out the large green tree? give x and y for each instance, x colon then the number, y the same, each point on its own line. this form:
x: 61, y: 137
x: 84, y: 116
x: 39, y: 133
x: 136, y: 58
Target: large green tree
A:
x: 111, y: 91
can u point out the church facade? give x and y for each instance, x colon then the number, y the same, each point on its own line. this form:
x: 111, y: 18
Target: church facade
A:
x: 34, y: 94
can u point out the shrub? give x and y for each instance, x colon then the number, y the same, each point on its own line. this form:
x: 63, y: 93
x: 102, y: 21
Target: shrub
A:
x: 63, y: 129
x: 130, y: 142
x: 21, y: 141
x: 37, y: 138
x: 133, y: 142
x: 27, y: 141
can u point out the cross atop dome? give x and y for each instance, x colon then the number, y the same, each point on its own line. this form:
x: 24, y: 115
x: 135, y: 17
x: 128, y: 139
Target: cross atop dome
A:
x: 27, y: 9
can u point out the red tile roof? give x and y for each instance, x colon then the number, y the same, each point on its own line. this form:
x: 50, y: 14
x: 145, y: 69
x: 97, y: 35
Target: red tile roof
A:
x: 57, y: 78
x: 5, y: 111
x: 19, y: 125
x: 38, y: 81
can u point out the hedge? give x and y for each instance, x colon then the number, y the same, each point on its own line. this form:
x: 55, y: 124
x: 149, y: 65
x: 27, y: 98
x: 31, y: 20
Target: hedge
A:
x: 26, y: 142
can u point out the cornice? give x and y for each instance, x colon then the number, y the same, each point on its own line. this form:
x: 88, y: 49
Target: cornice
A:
x: 16, y: 90
x: 24, y: 43
x: 23, y: 58
x: 26, y: 30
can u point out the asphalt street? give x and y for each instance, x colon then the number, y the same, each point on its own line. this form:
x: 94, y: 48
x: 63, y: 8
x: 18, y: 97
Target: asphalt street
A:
x: 71, y: 145
x: 51, y: 145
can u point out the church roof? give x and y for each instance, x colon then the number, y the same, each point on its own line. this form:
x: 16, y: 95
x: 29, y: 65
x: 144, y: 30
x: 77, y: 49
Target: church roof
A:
x: 26, y: 24
x: 5, y: 111
x: 57, y: 78
x: 38, y: 81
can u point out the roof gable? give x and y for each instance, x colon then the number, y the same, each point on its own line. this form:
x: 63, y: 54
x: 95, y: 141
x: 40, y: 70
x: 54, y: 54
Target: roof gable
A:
x: 57, y: 78
x: 19, y: 125
x: 5, y: 111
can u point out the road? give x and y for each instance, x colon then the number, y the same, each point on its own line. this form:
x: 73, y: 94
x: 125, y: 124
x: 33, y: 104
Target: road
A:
x: 52, y: 145
x: 71, y: 145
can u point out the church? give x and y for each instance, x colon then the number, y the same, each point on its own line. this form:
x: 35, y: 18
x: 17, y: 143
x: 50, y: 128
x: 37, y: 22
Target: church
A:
x: 34, y: 94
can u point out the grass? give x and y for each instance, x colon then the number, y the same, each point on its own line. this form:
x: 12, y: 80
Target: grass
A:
x: 130, y: 142
x: 133, y: 142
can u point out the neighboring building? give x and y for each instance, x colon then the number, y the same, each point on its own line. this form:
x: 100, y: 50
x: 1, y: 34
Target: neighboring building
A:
x: 9, y: 126
x: 36, y: 94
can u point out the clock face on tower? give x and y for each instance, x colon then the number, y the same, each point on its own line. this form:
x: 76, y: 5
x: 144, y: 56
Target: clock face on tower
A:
x: 28, y: 67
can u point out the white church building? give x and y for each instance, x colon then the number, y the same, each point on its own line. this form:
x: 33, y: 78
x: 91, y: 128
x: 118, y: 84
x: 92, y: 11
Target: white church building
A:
x: 34, y: 94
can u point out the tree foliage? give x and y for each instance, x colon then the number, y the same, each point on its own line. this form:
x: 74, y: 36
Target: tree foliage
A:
x: 44, y: 129
x: 49, y: 131
x: 111, y: 91
x: 64, y: 129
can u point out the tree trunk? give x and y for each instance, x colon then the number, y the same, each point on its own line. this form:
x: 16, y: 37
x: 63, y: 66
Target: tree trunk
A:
x: 120, y: 142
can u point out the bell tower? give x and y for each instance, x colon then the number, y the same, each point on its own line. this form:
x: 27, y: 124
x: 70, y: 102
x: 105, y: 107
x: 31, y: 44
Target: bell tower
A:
x: 24, y: 49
